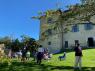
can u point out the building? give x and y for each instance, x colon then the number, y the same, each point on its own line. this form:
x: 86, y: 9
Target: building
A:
x: 87, y: 1
x: 63, y: 29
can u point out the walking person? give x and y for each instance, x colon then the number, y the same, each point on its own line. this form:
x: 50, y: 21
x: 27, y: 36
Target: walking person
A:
x: 78, y: 56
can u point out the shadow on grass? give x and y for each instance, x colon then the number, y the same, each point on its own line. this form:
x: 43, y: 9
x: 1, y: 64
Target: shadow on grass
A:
x: 65, y: 68
x: 19, y: 66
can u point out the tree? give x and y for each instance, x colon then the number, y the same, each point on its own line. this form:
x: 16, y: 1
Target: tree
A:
x: 7, y: 41
x: 61, y: 26
x: 25, y: 39
x: 58, y: 25
x: 16, y: 45
x: 77, y: 12
x: 30, y: 42
x: 89, y: 11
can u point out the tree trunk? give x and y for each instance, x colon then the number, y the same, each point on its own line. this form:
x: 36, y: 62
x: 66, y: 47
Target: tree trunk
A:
x: 62, y: 33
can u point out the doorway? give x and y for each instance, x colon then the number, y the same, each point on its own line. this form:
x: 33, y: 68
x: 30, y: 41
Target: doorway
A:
x: 66, y: 44
x: 76, y: 42
x: 90, y: 42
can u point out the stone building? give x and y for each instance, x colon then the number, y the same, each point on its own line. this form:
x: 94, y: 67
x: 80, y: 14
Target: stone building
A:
x: 63, y: 29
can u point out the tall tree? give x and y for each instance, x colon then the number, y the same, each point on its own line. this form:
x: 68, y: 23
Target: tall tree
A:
x: 16, y: 45
x: 7, y: 41
x: 30, y: 42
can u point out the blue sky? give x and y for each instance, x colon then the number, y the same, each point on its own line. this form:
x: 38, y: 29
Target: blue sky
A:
x: 15, y: 16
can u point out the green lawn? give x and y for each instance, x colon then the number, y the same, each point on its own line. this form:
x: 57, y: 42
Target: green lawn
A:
x: 88, y: 63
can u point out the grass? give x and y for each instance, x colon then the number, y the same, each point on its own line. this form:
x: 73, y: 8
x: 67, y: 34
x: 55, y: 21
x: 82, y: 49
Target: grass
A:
x: 88, y: 63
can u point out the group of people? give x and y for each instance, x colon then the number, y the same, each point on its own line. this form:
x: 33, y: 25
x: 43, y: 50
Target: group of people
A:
x: 24, y: 54
x: 42, y: 54
x: 21, y: 54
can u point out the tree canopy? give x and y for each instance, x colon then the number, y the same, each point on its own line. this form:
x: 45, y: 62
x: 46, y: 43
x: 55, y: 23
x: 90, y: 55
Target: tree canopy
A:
x: 16, y: 44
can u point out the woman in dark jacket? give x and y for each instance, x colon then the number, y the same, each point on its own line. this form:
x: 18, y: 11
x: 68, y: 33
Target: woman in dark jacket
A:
x: 39, y: 57
x: 78, y: 55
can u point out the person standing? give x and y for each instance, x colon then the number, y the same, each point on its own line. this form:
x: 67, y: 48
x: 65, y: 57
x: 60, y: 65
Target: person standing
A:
x: 28, y: 55
x: 40, y: 54
x: 10, y: 54
x: 34, y: 55
x: 78, y: 56
x: 24, y: 54
x: 19, y: 54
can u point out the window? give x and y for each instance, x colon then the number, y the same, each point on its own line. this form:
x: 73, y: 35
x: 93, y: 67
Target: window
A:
x: 76, y: 42
x: 66, y: 44
x: 49, y: 20
x: 49, y: 43
x: 88, y: 26
x: 49, y: 31
x: 75, y: 28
